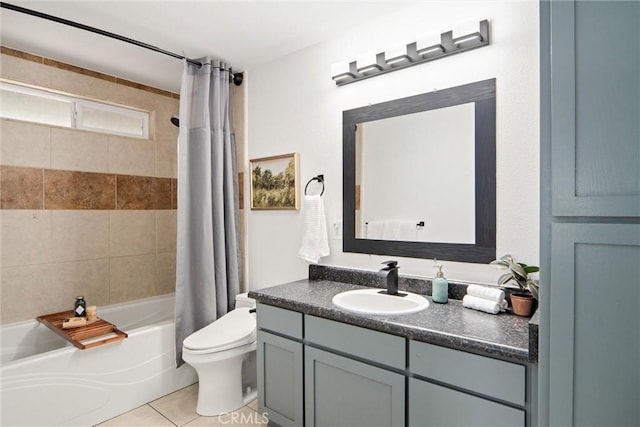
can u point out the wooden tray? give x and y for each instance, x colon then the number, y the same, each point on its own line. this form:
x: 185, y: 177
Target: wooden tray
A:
x: 76, y: 335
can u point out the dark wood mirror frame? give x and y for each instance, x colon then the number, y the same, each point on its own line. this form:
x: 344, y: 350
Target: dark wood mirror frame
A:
x: 483, y: 94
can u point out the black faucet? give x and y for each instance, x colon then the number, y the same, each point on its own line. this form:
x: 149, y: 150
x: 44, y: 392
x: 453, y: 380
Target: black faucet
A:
x: 392, y: 278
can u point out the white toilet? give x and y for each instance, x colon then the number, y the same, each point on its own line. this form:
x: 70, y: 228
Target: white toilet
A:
x: 223, y: 354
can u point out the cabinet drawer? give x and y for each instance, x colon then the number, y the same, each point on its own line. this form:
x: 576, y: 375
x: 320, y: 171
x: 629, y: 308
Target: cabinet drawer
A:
x: 279, y: 320
x: 491, y: 377
x: 434, y: 405
x: 360, y: 342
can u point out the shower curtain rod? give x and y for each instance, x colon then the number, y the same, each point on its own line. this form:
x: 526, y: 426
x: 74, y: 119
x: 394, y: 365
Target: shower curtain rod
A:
x: 236, y: 78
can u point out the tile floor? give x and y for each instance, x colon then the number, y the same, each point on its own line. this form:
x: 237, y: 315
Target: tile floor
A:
x: 179, y: 409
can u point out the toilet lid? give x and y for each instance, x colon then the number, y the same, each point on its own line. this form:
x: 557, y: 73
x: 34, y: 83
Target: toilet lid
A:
x: 236, y: 328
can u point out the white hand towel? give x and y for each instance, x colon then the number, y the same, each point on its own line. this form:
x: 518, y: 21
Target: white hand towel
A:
x: 391, y: 230
x: 395, y: 229
x: 482, y: 304
x: 407, y: 231
x: 315, y: 240
x: 492, y: 294
x: 374, y: 229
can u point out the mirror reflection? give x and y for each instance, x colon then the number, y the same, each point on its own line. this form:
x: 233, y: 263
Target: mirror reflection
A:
x: 420, y: 175
x: 426, y: 161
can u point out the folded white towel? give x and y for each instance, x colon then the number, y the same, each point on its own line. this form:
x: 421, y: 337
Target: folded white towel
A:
x: 399, y: 230
x: 407, y: 231
x: 315, y: 240
x: 374, y: 229
x: 485, y: 292
x: 482, y: 304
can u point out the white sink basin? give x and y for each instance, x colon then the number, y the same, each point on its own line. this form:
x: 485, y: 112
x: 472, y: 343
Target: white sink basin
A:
x: 371, y: 301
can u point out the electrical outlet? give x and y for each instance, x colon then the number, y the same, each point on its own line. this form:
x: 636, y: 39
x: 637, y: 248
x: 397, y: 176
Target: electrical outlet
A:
x: 336, y: 230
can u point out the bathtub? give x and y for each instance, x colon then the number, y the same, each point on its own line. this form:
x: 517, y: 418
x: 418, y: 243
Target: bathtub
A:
x: 44, y: 380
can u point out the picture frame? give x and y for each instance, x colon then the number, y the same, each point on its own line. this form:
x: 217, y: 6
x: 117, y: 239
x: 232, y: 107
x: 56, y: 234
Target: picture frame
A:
x: 275, y: 182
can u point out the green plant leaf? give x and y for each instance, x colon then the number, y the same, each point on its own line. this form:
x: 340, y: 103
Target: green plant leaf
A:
x: 505, y: 278
x: 517, y: 269
x: 507, y: 258
x: 519, y: 273
x: 531, y: 269
x: 499, y: 264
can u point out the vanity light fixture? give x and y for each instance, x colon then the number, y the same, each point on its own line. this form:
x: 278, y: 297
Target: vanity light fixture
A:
x: 429, y: 45
x: 370, y: 63
x: 418, y: 52
x: 398, y: 55
x: 471, y: 37
x: 343, y: 71
x: 431, y: 51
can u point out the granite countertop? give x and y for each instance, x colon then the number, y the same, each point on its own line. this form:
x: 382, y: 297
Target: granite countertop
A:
x: 503, y: 336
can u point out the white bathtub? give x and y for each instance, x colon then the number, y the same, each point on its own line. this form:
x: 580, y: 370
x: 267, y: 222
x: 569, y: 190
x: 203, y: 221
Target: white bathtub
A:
x: 47, y: 381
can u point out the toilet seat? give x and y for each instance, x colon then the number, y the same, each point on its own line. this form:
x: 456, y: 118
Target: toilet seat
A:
x: 234, y: 329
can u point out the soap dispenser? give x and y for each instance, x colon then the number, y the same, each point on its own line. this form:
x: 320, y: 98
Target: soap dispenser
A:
x: 440, y: 288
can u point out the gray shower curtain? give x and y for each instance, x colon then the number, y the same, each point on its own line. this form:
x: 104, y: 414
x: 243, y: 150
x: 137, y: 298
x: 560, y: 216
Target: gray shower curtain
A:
x: 208, y: 253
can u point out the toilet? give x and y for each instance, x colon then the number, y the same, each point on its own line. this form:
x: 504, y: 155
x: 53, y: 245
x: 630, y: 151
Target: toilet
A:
x: 223, y: 355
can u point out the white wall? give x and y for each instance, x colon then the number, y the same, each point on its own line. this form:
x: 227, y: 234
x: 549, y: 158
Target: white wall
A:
x: 293, y: 105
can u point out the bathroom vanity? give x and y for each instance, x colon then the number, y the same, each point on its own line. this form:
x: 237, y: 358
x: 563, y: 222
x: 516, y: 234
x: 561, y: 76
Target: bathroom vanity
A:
x: 446, y: 365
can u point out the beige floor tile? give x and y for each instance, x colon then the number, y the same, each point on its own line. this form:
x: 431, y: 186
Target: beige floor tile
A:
x: 253, y: 405
x: 180, y: 406
x: 144, y: 416
x: 244, y: 417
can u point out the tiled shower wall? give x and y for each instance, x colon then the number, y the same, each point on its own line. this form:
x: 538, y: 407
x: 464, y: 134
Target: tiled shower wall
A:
x: 85, y: 213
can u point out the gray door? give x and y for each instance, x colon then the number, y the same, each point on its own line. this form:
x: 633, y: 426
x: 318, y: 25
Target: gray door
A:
x: 595, y: 345
x: 344, y: 392
x: 590, y: 213
x: 431, y: 405
x: 280, y: 392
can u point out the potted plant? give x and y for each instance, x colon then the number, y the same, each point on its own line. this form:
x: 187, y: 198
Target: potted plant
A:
x: 522, y: 301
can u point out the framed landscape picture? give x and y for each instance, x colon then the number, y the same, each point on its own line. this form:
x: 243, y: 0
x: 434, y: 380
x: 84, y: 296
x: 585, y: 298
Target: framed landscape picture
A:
x: 274, y: 182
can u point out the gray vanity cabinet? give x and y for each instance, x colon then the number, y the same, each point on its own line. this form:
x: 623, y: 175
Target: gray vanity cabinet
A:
x: 454, y: 388
x: 345, y: 392
x: 364, y: 385
x: 280, y: 363
x: 318, y: 372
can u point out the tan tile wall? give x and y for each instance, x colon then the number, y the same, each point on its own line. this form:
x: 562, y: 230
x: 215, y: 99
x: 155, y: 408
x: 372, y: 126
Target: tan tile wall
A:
x: 56, y: 242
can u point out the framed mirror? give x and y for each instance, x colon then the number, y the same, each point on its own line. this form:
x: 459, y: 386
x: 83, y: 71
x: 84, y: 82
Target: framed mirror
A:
x: 420, y: 175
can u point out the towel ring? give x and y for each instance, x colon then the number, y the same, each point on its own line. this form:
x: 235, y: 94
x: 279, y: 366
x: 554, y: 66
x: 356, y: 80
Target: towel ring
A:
x: 320, y: 179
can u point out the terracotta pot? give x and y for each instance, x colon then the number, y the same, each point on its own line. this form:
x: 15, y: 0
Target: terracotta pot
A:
x: 522, y: 304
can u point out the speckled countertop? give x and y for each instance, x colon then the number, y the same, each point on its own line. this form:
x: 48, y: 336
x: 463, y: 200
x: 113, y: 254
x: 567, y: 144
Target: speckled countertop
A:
x: 503, y: 336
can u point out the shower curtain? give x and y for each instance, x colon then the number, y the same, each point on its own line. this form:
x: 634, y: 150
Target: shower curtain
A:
x: 208, y: 251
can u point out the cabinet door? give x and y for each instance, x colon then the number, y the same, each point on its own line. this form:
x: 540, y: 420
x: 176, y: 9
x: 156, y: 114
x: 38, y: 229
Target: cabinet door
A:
x: 280, y: 379
x: 344, y: 392
x: 595, y: 82
x: 434, y: 405
x: 594, y: 344
x: 589, y: 270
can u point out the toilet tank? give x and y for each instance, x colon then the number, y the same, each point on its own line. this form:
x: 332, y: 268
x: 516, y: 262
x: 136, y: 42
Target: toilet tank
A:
x: 243, y: 300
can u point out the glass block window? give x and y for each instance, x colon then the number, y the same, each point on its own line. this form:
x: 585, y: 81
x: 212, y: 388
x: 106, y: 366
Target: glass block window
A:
x: 37, y: 105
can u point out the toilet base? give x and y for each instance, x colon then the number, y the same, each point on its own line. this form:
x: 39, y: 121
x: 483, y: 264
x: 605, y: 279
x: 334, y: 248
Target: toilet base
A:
x: 220, y: 383
x: 211, y: 404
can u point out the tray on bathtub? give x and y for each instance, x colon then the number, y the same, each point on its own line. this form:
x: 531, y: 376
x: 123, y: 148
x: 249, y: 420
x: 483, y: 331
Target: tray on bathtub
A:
x: 97, y: 333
